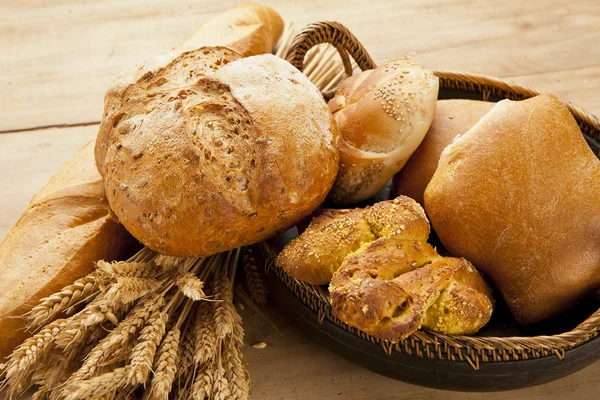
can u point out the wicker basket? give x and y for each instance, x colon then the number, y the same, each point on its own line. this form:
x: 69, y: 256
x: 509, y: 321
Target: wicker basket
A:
x: 470, y: 349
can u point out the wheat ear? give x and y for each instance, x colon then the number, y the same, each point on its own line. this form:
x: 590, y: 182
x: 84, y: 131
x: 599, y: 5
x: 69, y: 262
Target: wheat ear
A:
x: 187, y: 346
x: 129, y: 269
x: 224, y: 309
x: 235, y: 373
x: 70, y: 295
x: 121, y: 336
x: 202, y: 389
x: 25, y: 357
x: 190, y: 285
x: 165, y: 366
x: 220, y: 384
x: 254, y: 282
x: 93, y: 314
x: 143, y: 353
x: 204, y: 334
x: 98, y: 386
x: 129, y: 289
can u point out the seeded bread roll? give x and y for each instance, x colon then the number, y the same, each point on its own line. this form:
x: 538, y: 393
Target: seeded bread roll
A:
x: 249, y: 28
x: 519, y: 196
x: 208, y: 151
x: 452, y: 118
x: 382, y: 115
x: 66, y: 229
x: 385, y: 278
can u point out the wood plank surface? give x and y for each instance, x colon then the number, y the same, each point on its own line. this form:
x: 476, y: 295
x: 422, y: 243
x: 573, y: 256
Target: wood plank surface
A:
x: 59, y: 56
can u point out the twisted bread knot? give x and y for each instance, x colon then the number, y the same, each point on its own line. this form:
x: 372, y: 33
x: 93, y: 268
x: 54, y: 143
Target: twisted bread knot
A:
x: 386, y: 279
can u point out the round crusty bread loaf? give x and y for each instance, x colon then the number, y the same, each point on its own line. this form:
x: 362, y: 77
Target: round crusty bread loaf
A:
x: 519, y: 196
x: 452, y: 117
x: 382, y: 115
x: 198, y: 159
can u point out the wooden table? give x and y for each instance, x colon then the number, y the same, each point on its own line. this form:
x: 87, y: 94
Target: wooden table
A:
x: 58, y: 57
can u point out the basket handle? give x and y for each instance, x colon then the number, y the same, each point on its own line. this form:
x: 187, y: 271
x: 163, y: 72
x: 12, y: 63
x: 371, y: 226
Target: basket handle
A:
x: 339, y: 37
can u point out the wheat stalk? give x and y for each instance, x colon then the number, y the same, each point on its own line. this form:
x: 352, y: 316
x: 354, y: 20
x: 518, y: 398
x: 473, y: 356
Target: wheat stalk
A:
x: 204, y: 333
x: 120, y: 360
x: 95, y: 313
x: 202, y: 388
x: 187, y: 346
x: 224, y: 309
x: 98, y: 386
x: 165, y: 366
x: 190, y: 285
x: 254, y: 281
x: 129, y: 269
x: 143, y: 353
x: 128, y: 289
x: 25, y: 357
x: 121, y: 336
x: 70, y: 295
x: 220, y: 385
x: 235, y: 373
x: 168, y: 262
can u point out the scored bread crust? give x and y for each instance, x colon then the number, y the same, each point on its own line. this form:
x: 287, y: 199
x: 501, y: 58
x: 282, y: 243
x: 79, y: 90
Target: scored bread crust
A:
x: 452, y: 118
x: 519, y: 196
x: 67, y: 227
x: 382, y: 115
x: 199, y: 165
x: 385, y: 278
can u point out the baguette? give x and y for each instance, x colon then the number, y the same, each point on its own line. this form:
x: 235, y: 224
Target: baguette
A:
x: 250, y: 29
x: 66, y: 228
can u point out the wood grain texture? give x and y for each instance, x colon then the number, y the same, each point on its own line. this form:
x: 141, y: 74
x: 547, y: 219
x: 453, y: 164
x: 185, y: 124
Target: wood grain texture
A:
x: 59, y: 56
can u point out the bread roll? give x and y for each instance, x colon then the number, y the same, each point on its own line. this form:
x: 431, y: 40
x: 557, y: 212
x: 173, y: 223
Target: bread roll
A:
x: 452, y: 118
x: 382, y: 115
x: 67, y: 227
x: 385, y: 278
x: 519, y: 196
x: 250, y: 29
x: 199, y: 160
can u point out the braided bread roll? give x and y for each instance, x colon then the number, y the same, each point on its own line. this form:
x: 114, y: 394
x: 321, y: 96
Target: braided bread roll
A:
x: 386, y: 280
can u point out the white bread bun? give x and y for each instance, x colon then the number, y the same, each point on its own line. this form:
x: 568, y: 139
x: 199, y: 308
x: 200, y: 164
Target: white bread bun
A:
x: 519, y: 196
x: 382, y: 116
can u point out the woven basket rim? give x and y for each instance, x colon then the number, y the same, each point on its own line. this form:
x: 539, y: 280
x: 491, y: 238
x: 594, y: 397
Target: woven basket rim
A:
x: 472, y: 349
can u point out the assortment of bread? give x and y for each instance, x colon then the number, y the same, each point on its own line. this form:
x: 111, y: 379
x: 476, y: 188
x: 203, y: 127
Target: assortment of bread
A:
x: 215, y: 145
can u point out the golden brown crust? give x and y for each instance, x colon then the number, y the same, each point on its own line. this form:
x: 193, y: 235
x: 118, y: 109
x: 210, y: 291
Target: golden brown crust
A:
x: 339, y: 231
x: 452, y: 118
x: 250, y: 29
x: 382, y: 114
x: 387, y: 280
x: 247, y: 148
x: 519, y: 196
x: 67, y: 227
